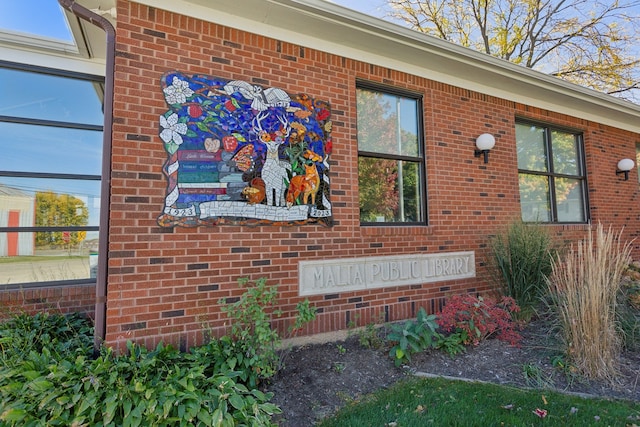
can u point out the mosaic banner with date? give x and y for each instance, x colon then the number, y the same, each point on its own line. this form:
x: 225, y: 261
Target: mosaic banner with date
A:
x: 241, y: 153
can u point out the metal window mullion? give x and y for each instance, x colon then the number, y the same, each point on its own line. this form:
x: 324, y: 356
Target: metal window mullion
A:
x: 374, y: 155
x: 548, y: 144
x: 584, y: 182
x: 52, y: 175
x: 52, y: 228
x: 50, y: 123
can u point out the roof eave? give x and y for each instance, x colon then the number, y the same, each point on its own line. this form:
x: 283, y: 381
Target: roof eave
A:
x: 331, y: 28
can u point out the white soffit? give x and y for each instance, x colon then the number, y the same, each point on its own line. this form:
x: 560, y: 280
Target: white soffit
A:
x: 50, y: 60
x: 334, y: 29
x: 91, y: 38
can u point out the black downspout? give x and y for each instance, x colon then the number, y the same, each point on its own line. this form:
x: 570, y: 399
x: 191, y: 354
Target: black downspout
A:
x: 105, y: 188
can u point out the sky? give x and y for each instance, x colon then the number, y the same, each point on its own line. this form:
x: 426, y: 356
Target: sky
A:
x: 34, y: 16
x: 371, y: 7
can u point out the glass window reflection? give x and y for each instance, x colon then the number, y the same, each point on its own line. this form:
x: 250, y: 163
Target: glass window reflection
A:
x: 551, y: 176
x: 29, y: 148
x: 390, y: 161
x: 47, y: 97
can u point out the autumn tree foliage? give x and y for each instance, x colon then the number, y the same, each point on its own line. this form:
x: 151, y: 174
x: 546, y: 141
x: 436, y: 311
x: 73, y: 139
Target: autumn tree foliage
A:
x: 588, y: 42
x: 389, y: 186
x: 377, y: 177
x: 59, y: 210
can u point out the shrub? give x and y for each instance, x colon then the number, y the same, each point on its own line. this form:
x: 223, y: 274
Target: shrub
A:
x: 48, y: 382
x: 253, y: 342
x: 522, y: 256
x: 413, y: 337
x: 252, y: 345
x: 585, y: 285
x: 369, y: 335
x: 478, y: 318
x: 47, y: 376
x: 62, y: 335
x: 628, y: 315
x: 453, y: 343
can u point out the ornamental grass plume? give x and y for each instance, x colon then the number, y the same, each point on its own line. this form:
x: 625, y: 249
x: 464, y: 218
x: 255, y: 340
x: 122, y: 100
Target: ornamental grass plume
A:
x: 585, y: 283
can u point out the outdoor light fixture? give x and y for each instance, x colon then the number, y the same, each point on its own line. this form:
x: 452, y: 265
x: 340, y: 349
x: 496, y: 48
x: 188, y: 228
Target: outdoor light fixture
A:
x: 624, y: 166
x: 484, y: 143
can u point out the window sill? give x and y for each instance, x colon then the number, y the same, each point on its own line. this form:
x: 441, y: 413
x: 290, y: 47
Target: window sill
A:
x: 570, y: 227
x: 396, y: 230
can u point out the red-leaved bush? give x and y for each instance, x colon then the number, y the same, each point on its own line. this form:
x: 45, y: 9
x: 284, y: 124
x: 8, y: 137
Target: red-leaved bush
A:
x: 480, y: 318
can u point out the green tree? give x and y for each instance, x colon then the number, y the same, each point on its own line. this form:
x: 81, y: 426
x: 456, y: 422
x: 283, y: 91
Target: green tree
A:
x: 583, y: 41
x: 59, y: 210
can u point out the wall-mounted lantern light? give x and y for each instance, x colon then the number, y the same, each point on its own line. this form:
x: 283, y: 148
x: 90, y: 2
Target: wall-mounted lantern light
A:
x: 624, y: 166
x: 484, y: 143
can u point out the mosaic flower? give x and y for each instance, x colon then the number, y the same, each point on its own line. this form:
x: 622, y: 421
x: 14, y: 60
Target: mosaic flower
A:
x: 323, y: 115
x: 172, y: 130
x: 178, y: 92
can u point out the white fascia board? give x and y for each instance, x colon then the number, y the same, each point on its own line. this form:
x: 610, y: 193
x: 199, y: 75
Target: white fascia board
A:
x: 334, y: 29
x: 52, y: 60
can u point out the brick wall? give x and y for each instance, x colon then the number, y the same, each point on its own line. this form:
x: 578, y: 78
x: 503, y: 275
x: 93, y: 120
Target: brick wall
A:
x: 59, y: 299
x: 166, y: 283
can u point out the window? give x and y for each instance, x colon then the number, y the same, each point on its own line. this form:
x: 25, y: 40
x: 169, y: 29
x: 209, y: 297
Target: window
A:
x: 390, y: 157
x: 50, y: 174
x: 551, y: 174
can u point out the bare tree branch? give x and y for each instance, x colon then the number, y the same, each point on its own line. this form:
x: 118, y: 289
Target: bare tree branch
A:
x: 584, y: 41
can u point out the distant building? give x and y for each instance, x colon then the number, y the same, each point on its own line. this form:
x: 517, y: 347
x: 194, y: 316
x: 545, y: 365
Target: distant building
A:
x: 17, y: 209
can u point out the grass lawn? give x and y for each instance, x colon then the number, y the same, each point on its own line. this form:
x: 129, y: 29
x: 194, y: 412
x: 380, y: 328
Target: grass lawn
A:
x: 439, y: 402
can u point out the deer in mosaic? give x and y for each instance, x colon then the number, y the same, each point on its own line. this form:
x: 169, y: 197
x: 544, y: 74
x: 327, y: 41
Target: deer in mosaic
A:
x: 274, y: 170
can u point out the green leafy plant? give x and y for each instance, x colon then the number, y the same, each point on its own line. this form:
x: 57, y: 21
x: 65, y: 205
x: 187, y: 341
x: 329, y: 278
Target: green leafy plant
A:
x: 522, y: 256
x: 535, y: 377
x: 559, y: 362
x: 252, y: 346
x: 60, y: 334
x: 305, y: 313
x: 480, y: 318
x: 252, y: 338
x: 628, y: 315
x: 413, y: 337
x: 162, y: 387
x: 453, y: 343
x: 368, y: 335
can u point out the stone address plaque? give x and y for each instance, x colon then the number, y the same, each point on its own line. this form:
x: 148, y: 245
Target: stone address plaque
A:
x: 356, y: 274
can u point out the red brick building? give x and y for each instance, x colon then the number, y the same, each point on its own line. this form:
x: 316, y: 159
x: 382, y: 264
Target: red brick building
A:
x: 377, y: 255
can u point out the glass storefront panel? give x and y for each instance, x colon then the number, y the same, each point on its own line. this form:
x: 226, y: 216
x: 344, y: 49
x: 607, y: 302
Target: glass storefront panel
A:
x: 534, y: 198
x: 45, y: 149
x: 47, y: 97
x: 39, y: 202
x: 68, y: 255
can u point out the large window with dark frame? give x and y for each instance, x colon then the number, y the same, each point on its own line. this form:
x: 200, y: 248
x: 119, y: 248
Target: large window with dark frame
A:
x: 390, y: 157
x: 51, y: 124
x: 552, y: 178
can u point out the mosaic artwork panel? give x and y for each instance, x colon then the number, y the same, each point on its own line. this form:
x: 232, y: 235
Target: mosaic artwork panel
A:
x: 239, y: 153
